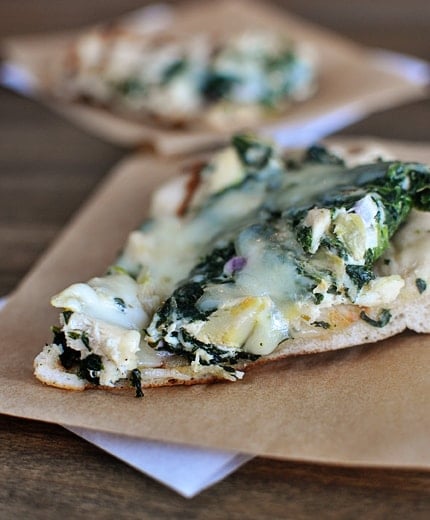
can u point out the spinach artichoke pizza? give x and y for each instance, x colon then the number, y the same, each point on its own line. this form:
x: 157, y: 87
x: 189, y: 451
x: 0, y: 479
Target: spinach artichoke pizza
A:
x: 179, y: 80
x: 255, y: 255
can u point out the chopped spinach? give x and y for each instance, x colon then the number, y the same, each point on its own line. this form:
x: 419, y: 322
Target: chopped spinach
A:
x: 252, y: 152
x: 230, y: 370
x: 119, y: 302
x: 66, y: 316
x: 322, y: 324
x: 217, y: 354
x: 69, y: 357
x: 90, y: 367
x: 359, y: 274
x: 421, y: 285
x: 85, y: 340
x: 136, y: 382
x: 304, y: 236
x: 59, y: 337
x: 211, y: 267
x: 131, y: 87
x: 173, y: 70
x: 333, y: 244
x: 274, y: 63
x: 182, y: 304
x: 383, y: 319
x: 74, y: 335
x: 216, y: 86
x: 83, y: 336
x: 420, y: 184
x: 333, y: 289
x: 320, y: 154
x: 318, y: 298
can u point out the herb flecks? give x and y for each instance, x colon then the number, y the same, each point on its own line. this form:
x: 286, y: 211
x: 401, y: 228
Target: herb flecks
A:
x: 173, y: 70
x: 120, y: 303
x: 90, y: 367
x: 318, y: 298
x: 217, y: 86
x: 253, y: 152
x: 382, y: 320
x: 304, y: 236
x: 85, y: 340
x: 69, y: 357
x: 359, y: 274
x: 421, y: 285
x: 83, y: 336
x: 320, y: 154
x: 59, y: 337
x: 136, y: 382
x: 66, y: 316
x: 232, y: 372
x: 131, y: 87
x: 322, y: 324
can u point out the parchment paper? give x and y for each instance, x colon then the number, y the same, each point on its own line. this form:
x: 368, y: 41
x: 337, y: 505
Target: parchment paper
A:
x: 353, y: 79
x: 364, y: 405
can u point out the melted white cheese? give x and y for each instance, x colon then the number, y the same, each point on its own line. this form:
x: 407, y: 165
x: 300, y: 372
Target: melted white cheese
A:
x: 270, y: 300
x: 115, y: 299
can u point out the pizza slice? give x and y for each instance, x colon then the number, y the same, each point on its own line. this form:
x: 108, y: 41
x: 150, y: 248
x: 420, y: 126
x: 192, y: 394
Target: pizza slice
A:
x: 255, y: 256
x: 176, y: 80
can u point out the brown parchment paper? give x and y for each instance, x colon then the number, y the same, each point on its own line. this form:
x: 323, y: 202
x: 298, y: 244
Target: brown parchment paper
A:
x: 367, y: 405
x: 351, y: 78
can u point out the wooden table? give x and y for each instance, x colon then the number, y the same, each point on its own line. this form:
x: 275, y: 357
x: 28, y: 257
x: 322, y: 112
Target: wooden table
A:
x: 47, y: 168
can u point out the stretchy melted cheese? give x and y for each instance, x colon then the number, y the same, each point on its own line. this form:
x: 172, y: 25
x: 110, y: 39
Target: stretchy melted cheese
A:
x: 269, y: 250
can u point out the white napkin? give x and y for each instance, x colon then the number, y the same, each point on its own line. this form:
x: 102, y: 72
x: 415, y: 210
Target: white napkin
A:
x: 185, y: 469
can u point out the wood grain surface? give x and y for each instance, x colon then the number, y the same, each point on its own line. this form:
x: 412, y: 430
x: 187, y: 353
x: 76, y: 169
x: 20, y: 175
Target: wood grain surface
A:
x: 48, y: 168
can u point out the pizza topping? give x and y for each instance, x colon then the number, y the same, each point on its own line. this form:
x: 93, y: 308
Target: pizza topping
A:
x: 421, y: 285
x: 174, y: 79
x: 136, y: 382
x: 268, y: 249
x: 382, y: 320
x: 296, y: 262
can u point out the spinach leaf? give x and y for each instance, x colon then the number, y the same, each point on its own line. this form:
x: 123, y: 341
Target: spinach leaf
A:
x: 421, y: 285
x: 383, y: 319
x: 136, y: 382
x: 90, y: 367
